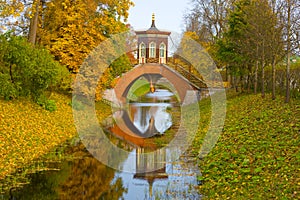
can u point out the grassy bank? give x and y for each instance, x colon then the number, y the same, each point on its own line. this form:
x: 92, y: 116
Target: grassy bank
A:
x: 30, y: 135
x: 257, y: 155
x: 139, y: 88
x: 28, y: 131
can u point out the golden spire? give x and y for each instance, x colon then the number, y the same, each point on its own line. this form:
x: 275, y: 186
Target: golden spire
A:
x: 153, y: 20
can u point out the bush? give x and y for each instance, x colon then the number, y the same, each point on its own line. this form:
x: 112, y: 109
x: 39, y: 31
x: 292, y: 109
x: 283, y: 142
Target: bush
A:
x: 47, y: 104
x: 26, y: 70
x: 7, y: 90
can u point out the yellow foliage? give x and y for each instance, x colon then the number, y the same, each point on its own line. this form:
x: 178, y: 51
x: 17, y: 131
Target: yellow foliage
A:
x: 73, y: 29
x: 27, y: 131
x: 11, y: 8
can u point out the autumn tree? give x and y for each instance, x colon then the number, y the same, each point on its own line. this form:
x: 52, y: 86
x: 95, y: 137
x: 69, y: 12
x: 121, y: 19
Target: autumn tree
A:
x: 208, y: 18
x: 10, y: 14
x: 71, y: 29
x: 266, y: 35
x: 254, y: 37
x: 291, y: 21
x: 34, y: 20
x: 22, y: 17
x: 207, y: 22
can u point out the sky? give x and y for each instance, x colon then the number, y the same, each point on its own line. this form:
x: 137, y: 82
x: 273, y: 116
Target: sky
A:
x: 168, y: 14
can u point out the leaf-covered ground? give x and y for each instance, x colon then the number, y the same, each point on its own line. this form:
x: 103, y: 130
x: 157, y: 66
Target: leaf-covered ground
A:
x: 257, y: 156
x: 27, y: 131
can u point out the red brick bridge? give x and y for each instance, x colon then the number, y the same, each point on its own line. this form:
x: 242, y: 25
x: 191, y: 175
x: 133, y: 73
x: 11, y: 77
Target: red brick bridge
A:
x: 156, y: 71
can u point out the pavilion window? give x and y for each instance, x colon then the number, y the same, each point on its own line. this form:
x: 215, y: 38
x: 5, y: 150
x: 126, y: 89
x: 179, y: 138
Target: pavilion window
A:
x: 152, y: 50
x: 162, y: 50
x: 143, y: 50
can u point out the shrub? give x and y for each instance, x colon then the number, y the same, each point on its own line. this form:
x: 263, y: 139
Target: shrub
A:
x: 26, y: 70
x: 46, y: 103
x: 7, y: 90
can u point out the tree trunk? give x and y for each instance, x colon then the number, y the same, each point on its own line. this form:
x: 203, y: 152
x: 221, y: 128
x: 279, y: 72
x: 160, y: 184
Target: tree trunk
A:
x: 256, y: 77
x: 249, y: 78
x: 235, y: 84
x: 263, y: 72
x: 11, y: 74
x: 263, y: 80
x: 273, y: 79
x: 256, y: 71
x: 34, y: 22
x: 242, y: 83
x: 248, y: 83
x: 287, y: 96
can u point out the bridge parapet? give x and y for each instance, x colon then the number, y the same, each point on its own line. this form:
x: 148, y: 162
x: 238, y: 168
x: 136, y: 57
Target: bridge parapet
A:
x: 180, y: 83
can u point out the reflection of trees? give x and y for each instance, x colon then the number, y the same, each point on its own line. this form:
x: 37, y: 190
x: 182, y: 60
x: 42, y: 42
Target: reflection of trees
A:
x: 42, y: 187
x: 89, y: 179
x: 115, y: 192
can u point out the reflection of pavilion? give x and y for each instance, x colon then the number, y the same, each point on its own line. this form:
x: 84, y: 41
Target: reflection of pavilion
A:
x: 150, y: 167
x: 148, y: 164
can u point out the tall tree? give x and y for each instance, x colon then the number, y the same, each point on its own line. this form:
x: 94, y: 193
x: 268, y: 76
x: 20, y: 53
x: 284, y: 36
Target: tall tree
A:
x: 208, y: 18
x: 34, y: 17
x: 289, y: 11
x: 71, y: 29
x: 277, y: 49
x: 251, y: 33
x: 288, y: 49
x: 10, y: 12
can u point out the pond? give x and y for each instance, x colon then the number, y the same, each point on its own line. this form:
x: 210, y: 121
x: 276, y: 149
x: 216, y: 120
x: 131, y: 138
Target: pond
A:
x: 156, y: 176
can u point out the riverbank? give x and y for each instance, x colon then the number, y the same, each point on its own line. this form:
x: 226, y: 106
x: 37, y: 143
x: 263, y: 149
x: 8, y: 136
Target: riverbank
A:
x: 28, y: 131
x: 257, y: 155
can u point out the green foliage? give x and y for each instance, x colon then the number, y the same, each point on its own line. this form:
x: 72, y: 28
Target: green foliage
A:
x: 120, y: 65
x: 7, y: 90
x: 115, y: 70
x: 26, y: 70
x: 47, y: 103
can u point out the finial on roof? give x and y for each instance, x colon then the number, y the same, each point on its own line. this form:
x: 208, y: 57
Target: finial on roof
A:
x: 153, y: 20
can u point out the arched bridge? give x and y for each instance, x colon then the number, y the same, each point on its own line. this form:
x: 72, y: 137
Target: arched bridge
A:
x: 156, y: 71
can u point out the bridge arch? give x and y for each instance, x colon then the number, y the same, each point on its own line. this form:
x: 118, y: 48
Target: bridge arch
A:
x: 181, y: 84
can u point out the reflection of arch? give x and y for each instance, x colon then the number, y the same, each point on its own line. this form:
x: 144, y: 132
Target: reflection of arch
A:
x: 152, y: 50
x: 180, y: 84
x: 162, y: 53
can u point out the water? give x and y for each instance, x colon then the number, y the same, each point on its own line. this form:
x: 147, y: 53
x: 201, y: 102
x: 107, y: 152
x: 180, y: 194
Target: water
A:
x: 142, y: 176
x: 149, y: 113
x: 84, y: 177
